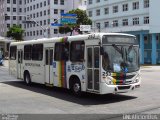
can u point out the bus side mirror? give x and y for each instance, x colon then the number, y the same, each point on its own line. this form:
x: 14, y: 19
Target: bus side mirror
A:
x: 101, y: 51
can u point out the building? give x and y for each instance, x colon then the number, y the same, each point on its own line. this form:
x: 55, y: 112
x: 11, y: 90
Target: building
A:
x: 138, y: 17
x: 35, y: 16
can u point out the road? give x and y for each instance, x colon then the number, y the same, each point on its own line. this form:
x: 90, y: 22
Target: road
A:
x: 17, y: 98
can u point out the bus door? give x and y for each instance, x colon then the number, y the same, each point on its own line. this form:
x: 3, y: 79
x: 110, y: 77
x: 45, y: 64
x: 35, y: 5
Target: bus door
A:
x: 19, y: 65
x: 48, y: 65
x: 93, y: 72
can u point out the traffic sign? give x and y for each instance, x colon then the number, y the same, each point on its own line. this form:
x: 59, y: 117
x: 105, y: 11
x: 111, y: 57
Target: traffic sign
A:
x: 56, y: 24
x: 68, y: 18
x: 85, y: 27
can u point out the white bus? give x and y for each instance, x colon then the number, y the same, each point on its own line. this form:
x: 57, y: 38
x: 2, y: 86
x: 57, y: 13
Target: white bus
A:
x: 99, y: 63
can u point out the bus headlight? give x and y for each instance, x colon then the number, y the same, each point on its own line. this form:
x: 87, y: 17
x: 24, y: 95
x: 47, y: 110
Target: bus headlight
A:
x: 136, y: 80
x: 108, y: 81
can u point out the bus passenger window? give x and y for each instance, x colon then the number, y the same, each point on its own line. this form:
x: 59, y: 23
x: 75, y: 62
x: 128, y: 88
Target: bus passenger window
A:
x: 37, y: 52
x: 13, y: 51
x: 77, y: 51
x: 27, y: 52
x: 61, y: 51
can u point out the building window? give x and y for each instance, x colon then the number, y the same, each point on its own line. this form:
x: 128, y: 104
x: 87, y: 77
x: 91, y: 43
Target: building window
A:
x: 8, y: 9
x: 30, y: 8
x: 146, y: 20
x: 14, y: 1
x: 106, y: 10
x: 55, y: 11
x: 62, y: 11
x: 48, y: 12
x: 20, y: 9
x: 125, y: 22
x: 55, y: 31
x: 98, y: 12
x: 97, y: 1
x: 55, y: 2
x: 8, y: 1
x: 20, y: 17
x: 115, y: 9
x: 40, y: 23
x: 45, y: 22
x: 41, y: 4
x: 14, y: 17
x: 20, y: 2
x: 41, y: 32
x: 14, y: 9
x: 45, y: 3
x: 106, y: 24
x: 8, y: 25
x: 135, y: 5
x: 98, y: 26
x: 34, y: 7
x: 45, y: 13
x: 90, y: 13
x: 37, y: 14
x: 115, y: 23
x: 62, y: 2
x: 89, y: 2
x: 48, y: 21
x: 136, y: 21
x: 125, y: 7
x: 37, y: 5
x: 146, y: 3
x: 41, y: 13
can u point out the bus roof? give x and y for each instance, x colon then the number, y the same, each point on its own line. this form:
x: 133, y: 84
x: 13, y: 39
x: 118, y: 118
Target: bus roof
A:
x: 70, y: 38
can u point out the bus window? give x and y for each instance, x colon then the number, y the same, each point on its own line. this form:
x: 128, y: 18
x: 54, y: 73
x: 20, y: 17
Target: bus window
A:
x: 37, y: 52
x: 61, y: 51
x: 13, y: 50
x: 77, y: 51
x: 27, y: 52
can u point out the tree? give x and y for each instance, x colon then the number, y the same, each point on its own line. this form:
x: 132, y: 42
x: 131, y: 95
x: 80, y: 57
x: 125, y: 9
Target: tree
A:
x: 82, y: 19
x: 15, y: 32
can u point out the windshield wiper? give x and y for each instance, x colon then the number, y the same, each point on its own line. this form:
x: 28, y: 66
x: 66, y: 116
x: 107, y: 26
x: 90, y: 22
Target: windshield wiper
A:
x: 118, y: 49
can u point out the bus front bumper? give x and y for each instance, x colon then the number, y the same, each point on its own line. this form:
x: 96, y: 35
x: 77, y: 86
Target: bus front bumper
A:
x: 106, y: 89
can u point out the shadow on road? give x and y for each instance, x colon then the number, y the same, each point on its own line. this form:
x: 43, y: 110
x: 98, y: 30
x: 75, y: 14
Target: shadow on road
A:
x: 87, y: 99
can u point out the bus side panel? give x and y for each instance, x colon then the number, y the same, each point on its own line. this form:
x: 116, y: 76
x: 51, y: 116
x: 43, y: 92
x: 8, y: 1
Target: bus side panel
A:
x: 76, y: 69
x: 59, y: 74
x: 36, y: 71
x: 13, y: 68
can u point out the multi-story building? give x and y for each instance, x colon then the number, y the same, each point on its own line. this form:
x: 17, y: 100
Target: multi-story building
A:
x: 138, y: 17
x: 35, y: 16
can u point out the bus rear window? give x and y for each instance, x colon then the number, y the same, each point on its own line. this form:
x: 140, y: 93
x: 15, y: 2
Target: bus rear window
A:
x: 13, y: 50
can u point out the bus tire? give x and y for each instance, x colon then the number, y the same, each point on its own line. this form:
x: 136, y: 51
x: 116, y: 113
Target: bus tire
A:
x: 76, y: 88
x: 27, y: 78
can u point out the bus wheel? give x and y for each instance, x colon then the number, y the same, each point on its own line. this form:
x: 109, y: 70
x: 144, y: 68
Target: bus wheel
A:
x: 27, y: 79
x: 76, y: 88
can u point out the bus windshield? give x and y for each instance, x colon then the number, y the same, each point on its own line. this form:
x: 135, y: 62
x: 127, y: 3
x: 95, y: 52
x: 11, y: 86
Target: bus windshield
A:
x: 120, y: 58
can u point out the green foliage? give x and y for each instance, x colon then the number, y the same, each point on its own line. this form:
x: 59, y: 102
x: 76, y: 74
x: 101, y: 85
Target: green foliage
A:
x: 15, y: 32
x: 82, y: 19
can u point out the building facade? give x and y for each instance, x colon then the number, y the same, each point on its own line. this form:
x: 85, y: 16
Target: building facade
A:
x: 35, y: 16
x: 138, y: 17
